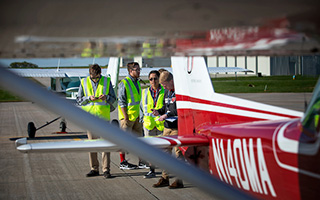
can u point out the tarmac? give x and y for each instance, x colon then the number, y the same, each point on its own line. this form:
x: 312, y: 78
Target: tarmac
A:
x: 62, y: 175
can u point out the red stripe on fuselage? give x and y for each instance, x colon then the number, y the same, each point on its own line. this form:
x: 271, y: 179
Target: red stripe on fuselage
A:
x: 172, y: 141
x: 191, y: 140
x: 196, y: 100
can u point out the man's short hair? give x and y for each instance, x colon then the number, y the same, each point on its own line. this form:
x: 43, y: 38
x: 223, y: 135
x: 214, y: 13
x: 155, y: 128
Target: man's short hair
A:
x: 165, y: 76
x: 162, y: 70
x: 157, y: 73
x: 94, y: 70
x: 132, y: 65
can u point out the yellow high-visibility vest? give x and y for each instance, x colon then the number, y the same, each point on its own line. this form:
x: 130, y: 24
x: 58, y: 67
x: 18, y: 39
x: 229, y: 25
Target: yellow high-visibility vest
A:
x: 133, y: 99
x: 97, y: 107
x: 87, y: 52
x: 158, y: 50
x: 147, y: 50
x: 150, y: 121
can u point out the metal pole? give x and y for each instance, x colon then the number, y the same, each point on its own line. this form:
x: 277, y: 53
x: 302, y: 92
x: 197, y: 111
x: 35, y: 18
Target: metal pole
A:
x: 257, y: 68
x: 302, y: 66
x: 48, y: 123
x: 245, y: 64
x: 226, y: 62
x: 127, y: 141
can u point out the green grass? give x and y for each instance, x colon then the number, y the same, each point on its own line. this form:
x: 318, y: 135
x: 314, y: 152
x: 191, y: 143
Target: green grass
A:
x: 254, y: 84
x: 7, y: 96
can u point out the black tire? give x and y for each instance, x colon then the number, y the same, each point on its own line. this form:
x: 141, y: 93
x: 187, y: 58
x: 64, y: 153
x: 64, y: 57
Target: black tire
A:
x: 31, y: 130
x: 63, y: 127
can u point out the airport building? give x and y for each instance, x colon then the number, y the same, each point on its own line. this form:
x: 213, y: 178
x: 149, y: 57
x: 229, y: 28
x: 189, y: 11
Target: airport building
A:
x: 260, y: 65
x: 271, y: 65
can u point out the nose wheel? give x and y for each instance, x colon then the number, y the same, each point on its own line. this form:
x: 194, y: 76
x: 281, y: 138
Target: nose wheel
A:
x: 32, y: 129
x: 63, y: 126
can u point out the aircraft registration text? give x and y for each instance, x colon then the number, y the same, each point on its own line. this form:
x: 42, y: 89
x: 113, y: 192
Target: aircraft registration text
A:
x: 238, y: 165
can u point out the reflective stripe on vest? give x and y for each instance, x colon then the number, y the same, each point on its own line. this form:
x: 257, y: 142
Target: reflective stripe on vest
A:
x: 133, y: 100
x: 150, y: 121
x: 97, y: 107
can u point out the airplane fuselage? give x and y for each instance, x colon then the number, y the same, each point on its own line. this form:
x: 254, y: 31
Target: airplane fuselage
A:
x: 263, y: 158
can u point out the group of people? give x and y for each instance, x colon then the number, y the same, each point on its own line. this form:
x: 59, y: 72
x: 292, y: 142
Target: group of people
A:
x: 142, y: 112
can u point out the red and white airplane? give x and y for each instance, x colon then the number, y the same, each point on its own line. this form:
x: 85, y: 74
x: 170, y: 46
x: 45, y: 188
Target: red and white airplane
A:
x: 267, y: 151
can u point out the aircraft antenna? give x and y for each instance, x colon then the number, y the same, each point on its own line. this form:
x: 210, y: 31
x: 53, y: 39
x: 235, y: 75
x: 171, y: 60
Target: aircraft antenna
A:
x: 58, y: 65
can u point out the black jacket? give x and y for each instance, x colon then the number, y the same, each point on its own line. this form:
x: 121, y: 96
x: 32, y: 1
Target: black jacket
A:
x: 169, y: 108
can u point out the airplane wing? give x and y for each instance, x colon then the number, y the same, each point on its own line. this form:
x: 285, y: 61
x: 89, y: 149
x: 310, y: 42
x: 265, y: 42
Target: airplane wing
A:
x: 74, y: 72
x: 144, y: 71
x: 82, y: 72
x: 101, y: 145
x: 69, y: 72
x: 212, y: 70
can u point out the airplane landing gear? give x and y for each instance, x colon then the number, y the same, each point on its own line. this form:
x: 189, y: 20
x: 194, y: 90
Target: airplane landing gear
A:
x: 63, y: 125
x: 32, y: 129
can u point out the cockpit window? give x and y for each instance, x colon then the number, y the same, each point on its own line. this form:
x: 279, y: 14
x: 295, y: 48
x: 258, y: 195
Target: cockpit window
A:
x: 311, y: 119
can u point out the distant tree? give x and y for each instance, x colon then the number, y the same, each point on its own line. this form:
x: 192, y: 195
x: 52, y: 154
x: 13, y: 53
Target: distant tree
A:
x: 23, y: 65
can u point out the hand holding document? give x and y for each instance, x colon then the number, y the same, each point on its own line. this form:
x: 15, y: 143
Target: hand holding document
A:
x: 169, y: 119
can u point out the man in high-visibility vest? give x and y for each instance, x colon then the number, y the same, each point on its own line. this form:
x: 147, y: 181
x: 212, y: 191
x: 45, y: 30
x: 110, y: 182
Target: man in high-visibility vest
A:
x: 129, y: 95
x: 152, y: 98
x: 95, y: 96
x: 169, y: 111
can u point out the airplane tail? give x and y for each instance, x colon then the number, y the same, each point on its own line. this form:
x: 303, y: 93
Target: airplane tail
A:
x: 198, y: 105
x: 113, y: 72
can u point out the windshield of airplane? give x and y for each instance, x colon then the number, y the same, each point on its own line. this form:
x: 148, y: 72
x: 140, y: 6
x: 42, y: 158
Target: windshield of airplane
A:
x: 65, y: 83
x: 311, y: 119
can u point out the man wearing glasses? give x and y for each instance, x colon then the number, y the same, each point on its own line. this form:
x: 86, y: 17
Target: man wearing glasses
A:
x: 152, y: 98
x: 95, y: 96
x: 129, y: 95
x: 169, y: 114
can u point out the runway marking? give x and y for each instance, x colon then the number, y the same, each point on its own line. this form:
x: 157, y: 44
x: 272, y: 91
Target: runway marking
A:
x: 16, y: 121
x: 29, y: 181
